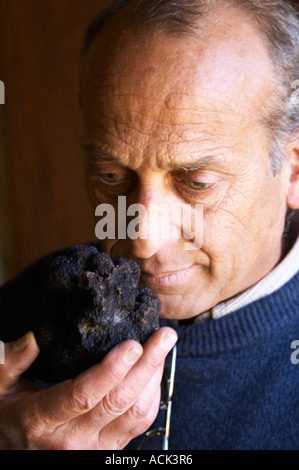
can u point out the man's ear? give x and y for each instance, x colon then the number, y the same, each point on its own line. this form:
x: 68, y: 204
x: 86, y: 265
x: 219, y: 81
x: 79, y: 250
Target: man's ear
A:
x: 293, y: 160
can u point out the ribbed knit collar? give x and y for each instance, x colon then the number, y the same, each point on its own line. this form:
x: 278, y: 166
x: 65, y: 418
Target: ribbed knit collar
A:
x: 241, y: 327
x: 273, y: 281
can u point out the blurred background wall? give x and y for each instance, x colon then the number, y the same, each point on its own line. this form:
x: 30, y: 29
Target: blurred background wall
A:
x: 43, y: 205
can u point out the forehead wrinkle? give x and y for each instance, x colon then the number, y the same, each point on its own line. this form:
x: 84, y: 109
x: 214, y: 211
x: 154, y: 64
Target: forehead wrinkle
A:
x: 150, y: 46
x: 170, y: 123
x: 169, y: 127
x: 137, y: 148
x: 158, y: 131
x: 181, y: 101
x: 135, y: 111
x: 199, y: 160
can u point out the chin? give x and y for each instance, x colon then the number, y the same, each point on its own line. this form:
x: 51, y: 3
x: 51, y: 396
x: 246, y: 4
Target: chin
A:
x: 188, y: 305
x: 175, y: 307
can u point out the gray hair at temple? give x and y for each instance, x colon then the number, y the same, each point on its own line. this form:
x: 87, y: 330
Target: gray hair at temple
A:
x: 279, y: 24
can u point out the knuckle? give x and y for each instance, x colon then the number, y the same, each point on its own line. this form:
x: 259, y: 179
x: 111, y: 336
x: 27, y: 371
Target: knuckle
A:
x: 115, y: 372
x: 115, y: 403
x: 32, y: 431
x: 150, y: 411
x: 79, y: 400
x: 140, y: 410
x: 115, y: 375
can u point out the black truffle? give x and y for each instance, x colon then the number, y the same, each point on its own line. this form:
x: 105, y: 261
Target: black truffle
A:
x: 79, y: 303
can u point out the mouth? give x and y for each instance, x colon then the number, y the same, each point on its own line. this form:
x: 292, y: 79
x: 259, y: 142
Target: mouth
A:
x: 170, y: 278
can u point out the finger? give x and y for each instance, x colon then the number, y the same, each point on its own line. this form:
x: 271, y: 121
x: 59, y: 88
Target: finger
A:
x: 123, y: 396
x: 145, y: 409
x: 122, y: 430
x: 18, y: 357
x: 144, y: 424
x: 68, y: 400
x: 142, y: 413
x: 146, y: 372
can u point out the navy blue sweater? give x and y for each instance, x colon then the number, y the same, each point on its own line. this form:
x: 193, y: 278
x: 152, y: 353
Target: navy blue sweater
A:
x: 235, y: 385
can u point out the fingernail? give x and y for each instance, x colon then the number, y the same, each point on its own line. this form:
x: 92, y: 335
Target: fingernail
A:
x: 132, y: 356
x: 169, y: 340
x: 21, y: 343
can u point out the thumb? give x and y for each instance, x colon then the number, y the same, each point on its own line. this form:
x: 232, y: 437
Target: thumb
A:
x: 18, y: 357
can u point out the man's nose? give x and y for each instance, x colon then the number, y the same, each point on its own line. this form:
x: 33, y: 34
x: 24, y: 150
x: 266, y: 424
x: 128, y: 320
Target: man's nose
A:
x: 157, y: 226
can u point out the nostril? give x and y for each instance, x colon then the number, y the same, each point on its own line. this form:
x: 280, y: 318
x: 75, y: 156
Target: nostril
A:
x: 145, y: 249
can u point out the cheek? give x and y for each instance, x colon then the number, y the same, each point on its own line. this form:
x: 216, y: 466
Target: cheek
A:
x: 228, y: 220
x: 232, y: 226
x: 242, y: 235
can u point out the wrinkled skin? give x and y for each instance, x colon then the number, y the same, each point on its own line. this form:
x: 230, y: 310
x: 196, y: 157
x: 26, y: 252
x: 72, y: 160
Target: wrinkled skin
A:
x: 155, y: 104
x: 176, y: 104
x: 103, y: 408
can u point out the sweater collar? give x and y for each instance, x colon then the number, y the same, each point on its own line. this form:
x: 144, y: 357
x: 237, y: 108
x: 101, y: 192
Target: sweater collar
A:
x: 246, y: 325
x: 273, y: 281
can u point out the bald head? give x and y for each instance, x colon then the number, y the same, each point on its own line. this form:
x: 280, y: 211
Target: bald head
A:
x: 218, y: 57
x: 276, y: 21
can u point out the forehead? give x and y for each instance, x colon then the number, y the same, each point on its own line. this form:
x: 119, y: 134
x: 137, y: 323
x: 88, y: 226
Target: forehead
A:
x: 159, y: 87
x: 227, y: 43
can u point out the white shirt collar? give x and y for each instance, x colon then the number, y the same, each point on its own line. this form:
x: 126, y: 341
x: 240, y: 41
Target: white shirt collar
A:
x: 273, y: 281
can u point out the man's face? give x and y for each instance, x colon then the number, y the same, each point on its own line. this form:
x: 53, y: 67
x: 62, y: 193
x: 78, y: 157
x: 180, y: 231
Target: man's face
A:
x: 176, y: 122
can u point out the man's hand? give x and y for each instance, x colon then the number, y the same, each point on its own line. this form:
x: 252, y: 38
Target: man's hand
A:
x: 103, y: 408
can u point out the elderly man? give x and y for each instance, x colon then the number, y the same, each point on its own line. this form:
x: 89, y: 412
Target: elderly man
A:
x: 188, y: 102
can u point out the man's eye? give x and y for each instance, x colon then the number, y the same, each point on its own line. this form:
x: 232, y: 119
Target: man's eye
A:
x: 110, y: 177
x: 197, y: 185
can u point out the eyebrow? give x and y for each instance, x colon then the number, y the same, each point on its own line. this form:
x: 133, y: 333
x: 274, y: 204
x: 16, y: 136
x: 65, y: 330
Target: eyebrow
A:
x: 97, y: 154
x: 202, y: 162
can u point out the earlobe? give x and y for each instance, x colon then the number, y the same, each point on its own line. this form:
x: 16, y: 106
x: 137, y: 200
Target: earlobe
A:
x: 293, y: 191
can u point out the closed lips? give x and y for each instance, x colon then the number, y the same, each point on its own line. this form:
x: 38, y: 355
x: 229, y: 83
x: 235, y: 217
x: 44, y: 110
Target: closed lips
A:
x: 167, y: 278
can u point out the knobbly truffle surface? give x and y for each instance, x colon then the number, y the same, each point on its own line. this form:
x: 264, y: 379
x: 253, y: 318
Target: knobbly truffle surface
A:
x: 79, y: 303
